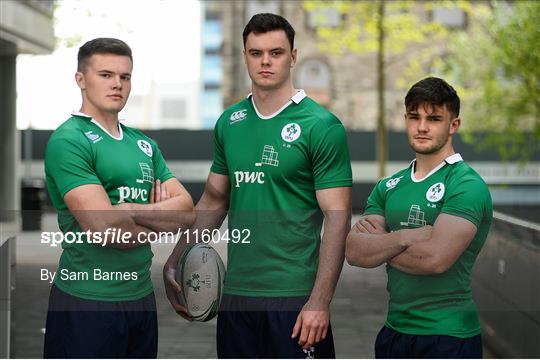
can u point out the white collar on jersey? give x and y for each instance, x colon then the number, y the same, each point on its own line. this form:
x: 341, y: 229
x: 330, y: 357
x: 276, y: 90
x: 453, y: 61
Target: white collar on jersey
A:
x: 297, y: 98
x: 452, y: 159
x: 120, y: 137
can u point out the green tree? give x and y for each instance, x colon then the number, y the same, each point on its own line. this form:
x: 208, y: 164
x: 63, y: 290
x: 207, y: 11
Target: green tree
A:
x: 387, y: 28
x: 497, y: 64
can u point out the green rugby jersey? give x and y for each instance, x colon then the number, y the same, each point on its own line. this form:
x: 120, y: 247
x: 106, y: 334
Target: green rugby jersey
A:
x: 434, y: 304
x: 81, y: 152
x: 275, y: 165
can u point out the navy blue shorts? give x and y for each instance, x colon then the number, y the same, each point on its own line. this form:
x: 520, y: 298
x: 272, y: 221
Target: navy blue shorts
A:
x: 78, y: 328
x: 393, y: 344
x: 254, y: 327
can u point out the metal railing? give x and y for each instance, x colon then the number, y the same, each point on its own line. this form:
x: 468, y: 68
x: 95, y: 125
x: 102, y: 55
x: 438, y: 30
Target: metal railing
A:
x: 506, y: 287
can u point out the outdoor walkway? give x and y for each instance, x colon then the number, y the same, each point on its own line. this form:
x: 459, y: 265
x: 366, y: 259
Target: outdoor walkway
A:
x: 358, y: 308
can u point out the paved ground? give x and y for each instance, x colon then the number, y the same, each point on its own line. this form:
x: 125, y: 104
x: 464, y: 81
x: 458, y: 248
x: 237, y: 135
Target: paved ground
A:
x: 358, y: 308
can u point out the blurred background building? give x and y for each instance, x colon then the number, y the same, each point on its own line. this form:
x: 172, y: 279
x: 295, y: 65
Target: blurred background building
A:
x: 179, y: 112
x: 346, y: 85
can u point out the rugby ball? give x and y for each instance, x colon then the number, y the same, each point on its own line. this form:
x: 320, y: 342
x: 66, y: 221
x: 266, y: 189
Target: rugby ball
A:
x: 200, y: 274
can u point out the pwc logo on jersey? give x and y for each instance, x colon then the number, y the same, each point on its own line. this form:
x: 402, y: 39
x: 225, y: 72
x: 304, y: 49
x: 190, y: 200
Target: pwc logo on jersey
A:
x: 132, y: 193
x: 145, y: 147
x: 238, y: 116
x: 435, y: 192
x: 269, y: 157
x: 248, y: 177
x: 291, y: 132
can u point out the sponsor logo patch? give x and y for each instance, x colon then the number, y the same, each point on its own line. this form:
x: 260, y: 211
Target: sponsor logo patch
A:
x: 238, y: 116
x: 416, y: 217
x: 392, y: 183
x: 310, y: 353
x: 248, y: 177
x: 93, y: 137
x: 147, y: 174
x: 269, y: 157
x: 132, y: 193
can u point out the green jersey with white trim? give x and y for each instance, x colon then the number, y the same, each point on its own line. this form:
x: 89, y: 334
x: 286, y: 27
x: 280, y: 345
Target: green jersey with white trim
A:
x: 81, y: 152
x: 275, y: 165
x: 434, y: 304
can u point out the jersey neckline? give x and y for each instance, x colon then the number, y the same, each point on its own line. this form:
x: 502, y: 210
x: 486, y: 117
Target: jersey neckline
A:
x: 296, y: 98
x: 452, y: 159
x: 120, y: 137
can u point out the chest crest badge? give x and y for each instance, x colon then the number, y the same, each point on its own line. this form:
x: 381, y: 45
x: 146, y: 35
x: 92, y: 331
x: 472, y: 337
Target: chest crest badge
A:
x: 291, y: 132
x: 435, y: 192
x: 145, y: 147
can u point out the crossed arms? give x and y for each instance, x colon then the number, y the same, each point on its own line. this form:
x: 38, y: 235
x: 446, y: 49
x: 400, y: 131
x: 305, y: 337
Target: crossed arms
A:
x: 170, y: 208
x: 422, y: 251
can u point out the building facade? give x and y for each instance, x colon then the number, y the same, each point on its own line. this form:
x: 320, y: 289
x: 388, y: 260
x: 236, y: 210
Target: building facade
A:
x: 25, y: 27
x: 346, y: 84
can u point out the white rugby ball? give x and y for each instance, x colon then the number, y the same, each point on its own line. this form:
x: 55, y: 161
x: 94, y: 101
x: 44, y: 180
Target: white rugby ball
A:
x: 200, y: 274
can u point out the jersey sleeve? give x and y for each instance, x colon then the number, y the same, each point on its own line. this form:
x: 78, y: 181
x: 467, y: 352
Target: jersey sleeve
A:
x: 330, y: 157
x: 467, y: 197
x: 161, y: 170
x: 219, y: 164
x: 69, y: 163
x: 375, y: 202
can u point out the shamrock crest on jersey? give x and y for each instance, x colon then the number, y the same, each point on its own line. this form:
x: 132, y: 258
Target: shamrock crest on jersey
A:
x: 145, y: 147
x: 291, y: 132
x: 435, y: 192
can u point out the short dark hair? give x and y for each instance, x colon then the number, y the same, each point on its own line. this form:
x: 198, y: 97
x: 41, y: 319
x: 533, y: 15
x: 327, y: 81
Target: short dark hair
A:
x: 265, y: 22
x: 101, y: 46
x: 433, y: 91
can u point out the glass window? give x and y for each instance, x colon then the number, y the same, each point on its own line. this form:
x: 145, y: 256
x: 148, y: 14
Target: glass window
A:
x: 451, y: 17
x: 324, y: 17
x: 212, y: 35
x: 211, y: 107
x: 315, y: 77
x: 212, y: 69
x: 313, y: 74
x: 261, y: 6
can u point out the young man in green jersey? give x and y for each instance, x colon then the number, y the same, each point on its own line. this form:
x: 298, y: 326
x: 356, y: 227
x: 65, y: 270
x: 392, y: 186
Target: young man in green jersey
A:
x: 281, y: 166
x: 105, y: 178
x: 428, y: 223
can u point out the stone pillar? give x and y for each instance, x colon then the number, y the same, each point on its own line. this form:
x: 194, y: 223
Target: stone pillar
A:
x: 9, y: 194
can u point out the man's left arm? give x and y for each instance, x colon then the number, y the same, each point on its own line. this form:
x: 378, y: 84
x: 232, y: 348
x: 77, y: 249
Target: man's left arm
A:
x: 312, y: 322
x: 450, y: 237
x: 170, y: 207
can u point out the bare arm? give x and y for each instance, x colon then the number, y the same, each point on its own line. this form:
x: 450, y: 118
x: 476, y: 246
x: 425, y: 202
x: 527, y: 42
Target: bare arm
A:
x: 312, y: 322
x: 211, y: 211
x: 169, y: 215
x: 370, y: 245
x: 450, y: 238
x: 93, y: 210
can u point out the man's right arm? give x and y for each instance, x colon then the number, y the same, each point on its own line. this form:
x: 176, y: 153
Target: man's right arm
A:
x: 211, y: 210
x: 94, y: 212
x: 370, y: 245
